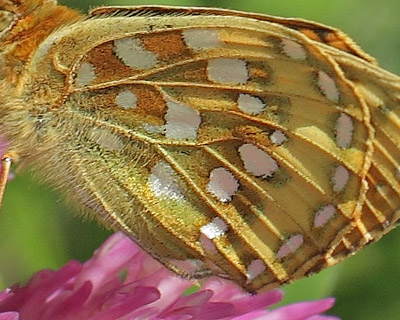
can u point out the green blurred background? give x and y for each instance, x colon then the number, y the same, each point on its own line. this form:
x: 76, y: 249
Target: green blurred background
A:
x: 37, y: 230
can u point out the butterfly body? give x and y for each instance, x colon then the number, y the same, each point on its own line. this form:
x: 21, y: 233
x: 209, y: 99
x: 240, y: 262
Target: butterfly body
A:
x: 256, y: 148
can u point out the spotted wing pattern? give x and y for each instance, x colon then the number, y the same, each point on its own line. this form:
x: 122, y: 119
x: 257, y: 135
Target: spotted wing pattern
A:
x: 226, y: 144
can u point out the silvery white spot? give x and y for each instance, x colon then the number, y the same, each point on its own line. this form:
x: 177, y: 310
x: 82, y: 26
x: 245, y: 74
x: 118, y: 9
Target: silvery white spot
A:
x: 214, y: 229
x: 386, y: 224
x: 293, y: 49
x: 223, y: 184
x: 344, y: 131
x: 340, y: 178
x: 105, y: 139
x: 132, y: 53
x: 278, y: 137
x: 290, y: 246
x: 126, y: 99
x: 323, y: 215
x: 201, y: 38
x: 190, y: 266
x: 328, y: 86
x: 207, y: 244
x: 227, y: 71
x: 151, y: 128
x: 250, y: 104
x: 255, y: 268
x: 182, y: 122
x: 257, y: 161
x: 162, y: 181
x: 85, y: 74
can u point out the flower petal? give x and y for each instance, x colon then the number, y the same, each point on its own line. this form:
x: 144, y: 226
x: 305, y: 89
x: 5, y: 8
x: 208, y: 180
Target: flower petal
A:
x: 301, y: 310
x: 9, y: 316
x: 96, y: 290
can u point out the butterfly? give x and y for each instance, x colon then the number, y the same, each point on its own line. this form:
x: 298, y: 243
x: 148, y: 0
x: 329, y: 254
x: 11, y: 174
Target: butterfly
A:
x: 255, y: 148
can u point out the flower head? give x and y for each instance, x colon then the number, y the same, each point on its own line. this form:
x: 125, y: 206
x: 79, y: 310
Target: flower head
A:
x: 122, y: 282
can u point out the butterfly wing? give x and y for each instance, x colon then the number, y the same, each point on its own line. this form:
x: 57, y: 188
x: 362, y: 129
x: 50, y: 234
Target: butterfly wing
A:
x: 223, y: 144
x: 380, y: 90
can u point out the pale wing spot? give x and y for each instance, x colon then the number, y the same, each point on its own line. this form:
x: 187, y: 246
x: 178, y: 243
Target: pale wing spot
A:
x: 132, y: 53
x: 105, y: 139
x: 340, y: 178
x: 126, y: 99
x: 223, y: 184
x: 227, y: 71
x: 278, y: 137
x: 250, y: 104
x: 344, y: 130
x: 214, y: 229
x: 151, y: 128
x: 397, y: 173
x: 255, y: 268
x: 386, y: 223
x: 190, y: 266
x: 182, y: 122
x: 199, y: 39
x: 257, y: 161
x: 85, y: 74
x: 328, y: 86
x: 207, y: 244
x: 323, y: 215
x: 290, y: 246
x: 162, y: 181
x: 293, y: 49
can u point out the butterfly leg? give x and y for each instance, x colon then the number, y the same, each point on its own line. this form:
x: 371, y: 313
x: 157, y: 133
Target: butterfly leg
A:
x: 4, y: 172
